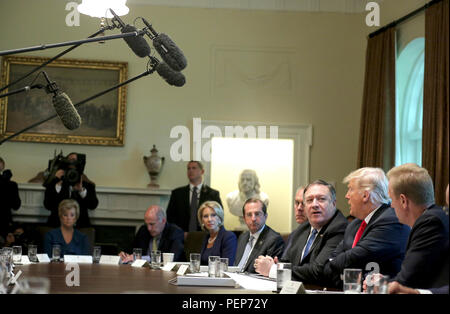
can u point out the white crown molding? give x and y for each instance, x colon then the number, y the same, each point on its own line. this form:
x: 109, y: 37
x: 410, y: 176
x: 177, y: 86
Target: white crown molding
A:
x: 340, y: 6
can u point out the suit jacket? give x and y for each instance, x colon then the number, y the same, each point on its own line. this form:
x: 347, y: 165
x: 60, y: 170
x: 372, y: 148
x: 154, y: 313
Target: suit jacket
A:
x: 310, y: 269
x: 426, y: 260
x: 224, y: 246
x: 172, y: 241
x: 179, y: 208
x: 383, y: 242
x: 53, y: 198
x: 9, y: 199
x: 269, y: 243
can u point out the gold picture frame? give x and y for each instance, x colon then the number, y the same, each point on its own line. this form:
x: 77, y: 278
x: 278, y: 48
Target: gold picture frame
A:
x: 103, y: 118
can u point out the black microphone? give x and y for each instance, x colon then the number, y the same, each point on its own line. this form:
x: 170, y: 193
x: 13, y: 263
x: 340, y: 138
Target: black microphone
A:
x: 63, y: 106
x: 167, y: 49
x: 138, y: 44
x: 172, y: 77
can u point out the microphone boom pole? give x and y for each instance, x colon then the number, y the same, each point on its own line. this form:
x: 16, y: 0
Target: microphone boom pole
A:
x: 149, y: 71
x: 53, y: 59
x: 74, y: 42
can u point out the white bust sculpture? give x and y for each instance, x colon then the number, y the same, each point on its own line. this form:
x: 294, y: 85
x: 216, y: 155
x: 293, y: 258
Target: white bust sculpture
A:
x: 249, y: 187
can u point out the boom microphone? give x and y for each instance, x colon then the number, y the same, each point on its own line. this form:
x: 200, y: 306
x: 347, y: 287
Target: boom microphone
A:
x: 63, y: 106
x: 138, y: 44
x: 172, y: 77
x: 167, y: 49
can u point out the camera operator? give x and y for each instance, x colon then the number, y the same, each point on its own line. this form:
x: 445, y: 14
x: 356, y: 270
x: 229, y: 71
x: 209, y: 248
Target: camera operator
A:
x: 69, y: 182
x: 9, y: 198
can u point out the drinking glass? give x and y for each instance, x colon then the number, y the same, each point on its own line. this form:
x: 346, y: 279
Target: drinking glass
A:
x: 194, y: 263
x: 377, y: 284
x: 155, y: 259
x: 96, y: 254
x: 223, y: 266
x: 284, y: 274
x: 352, y: 280
x: 137, y: 253
x: 32, y: 253
x: 17, y: 254
x: 213, y: 266
x: 56, y: 252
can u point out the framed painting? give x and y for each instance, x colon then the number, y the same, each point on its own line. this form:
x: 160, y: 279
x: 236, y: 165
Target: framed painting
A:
x: 102, y: 118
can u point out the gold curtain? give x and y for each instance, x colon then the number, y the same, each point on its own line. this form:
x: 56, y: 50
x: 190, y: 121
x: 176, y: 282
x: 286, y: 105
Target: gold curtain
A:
x: 377, y: 129
x: 435, y: 137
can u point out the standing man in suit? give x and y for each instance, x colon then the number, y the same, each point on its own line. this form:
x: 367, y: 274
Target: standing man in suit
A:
x: 375, y: 238
x: 426, y: 261
x: 185, y: 201
x: 157, y: 234
x: 259, y: 240
x: 314, y: 240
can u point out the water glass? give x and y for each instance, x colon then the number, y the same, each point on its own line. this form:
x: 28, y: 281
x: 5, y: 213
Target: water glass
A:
x: 96, y: 254
x: 56, y: 252
x: 155, y: 259
x: 17, y: 254
x: 137, y: 253
x: 223, y: 266
x: 34, y: 285
x: 7, y: 258
x: 377, y: 284
x: 213, y: 266
x: 352, y: 280
x: 194, y: 263
x: 32, y: 253
x: 284, y: 274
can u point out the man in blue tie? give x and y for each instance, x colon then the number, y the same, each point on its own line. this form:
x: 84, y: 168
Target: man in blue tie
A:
x: 314, y: 240
x: 260, y: 239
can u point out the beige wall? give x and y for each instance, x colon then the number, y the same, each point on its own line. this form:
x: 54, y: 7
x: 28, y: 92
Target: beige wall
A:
x: 326, y: 69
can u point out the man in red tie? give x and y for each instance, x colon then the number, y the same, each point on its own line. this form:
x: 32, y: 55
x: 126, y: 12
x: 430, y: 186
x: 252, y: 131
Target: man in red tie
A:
x: 375, y: 240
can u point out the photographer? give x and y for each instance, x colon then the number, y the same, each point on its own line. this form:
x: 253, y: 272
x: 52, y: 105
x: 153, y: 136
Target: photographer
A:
x: 9, y: 199
x: 67, y: 181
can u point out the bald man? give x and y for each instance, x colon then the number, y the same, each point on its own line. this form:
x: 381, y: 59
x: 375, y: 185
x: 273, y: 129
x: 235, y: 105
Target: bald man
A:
x: 157, y: 234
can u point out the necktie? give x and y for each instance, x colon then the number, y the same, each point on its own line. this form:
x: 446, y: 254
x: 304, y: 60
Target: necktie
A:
x: 194, y: 207
x: 155, y: 246
x: 309, y: 243
x: 248, y: 249
x: 359, y: 233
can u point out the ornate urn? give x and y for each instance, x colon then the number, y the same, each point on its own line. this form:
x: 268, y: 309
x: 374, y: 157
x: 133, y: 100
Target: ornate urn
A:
x: 154, y: 164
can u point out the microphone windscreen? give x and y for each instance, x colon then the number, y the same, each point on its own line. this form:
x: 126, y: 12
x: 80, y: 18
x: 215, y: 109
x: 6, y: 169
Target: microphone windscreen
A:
x: 137, y: 43
x: 66, y: 111
x: 170, y: 76
x: 169, y: 52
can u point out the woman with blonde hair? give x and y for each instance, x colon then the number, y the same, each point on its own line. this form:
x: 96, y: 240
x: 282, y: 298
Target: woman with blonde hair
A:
x: 218, y: 241
x: 71, y: 241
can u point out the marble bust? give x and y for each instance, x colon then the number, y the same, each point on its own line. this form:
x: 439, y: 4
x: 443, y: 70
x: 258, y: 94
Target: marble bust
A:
x: 248, y: 187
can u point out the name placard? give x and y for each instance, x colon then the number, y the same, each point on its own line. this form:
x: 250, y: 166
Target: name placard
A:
x: 43, y: 258
x: 293, y: 287
x: 139, y: 263
x: 182, y: 270
x: 169, y: 266
x: 81, y: 259
x: 109, y: 260
x: 25, y: 260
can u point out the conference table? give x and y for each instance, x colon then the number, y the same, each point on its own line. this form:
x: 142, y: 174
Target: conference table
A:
x: 97, y: 278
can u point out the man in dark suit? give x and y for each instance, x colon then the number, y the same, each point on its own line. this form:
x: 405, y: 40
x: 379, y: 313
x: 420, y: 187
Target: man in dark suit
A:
x: 59, y: 189
x: 314, y: 240
x: 185, y: 201
x: 259, y: 240
x: 426, y: 261
x: 375, y: 240
x: 157, y: 235
x: 9, y: 199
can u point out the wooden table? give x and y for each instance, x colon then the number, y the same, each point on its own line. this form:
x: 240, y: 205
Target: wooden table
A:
x: 96, y: 278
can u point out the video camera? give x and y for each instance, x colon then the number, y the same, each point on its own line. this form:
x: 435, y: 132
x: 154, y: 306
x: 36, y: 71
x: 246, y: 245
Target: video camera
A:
x: 73, y: 169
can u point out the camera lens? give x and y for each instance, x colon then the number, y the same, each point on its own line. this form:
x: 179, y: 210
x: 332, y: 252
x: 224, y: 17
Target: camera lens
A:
x: 72, y: 176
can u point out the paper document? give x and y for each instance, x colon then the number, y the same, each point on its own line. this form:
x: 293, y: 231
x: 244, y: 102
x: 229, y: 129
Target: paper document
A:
x: 252, y: 283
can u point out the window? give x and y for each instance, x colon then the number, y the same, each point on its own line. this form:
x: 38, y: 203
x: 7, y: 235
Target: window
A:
x: 409, y: 103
